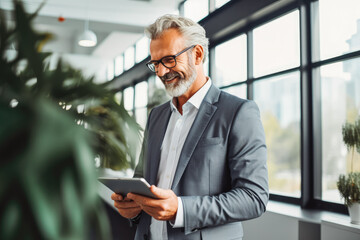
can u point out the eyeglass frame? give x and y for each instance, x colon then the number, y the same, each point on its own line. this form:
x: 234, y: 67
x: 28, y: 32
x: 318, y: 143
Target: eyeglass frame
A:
x: 173, y: 56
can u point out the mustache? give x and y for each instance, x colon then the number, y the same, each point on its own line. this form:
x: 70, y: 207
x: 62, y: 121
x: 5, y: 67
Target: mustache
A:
x: 170, y: 75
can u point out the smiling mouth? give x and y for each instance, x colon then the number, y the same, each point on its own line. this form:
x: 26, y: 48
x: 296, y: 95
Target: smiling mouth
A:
x: 170, y: 80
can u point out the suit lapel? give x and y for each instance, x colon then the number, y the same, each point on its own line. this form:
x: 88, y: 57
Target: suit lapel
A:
x: 206, y: 111
x: 155, y: 144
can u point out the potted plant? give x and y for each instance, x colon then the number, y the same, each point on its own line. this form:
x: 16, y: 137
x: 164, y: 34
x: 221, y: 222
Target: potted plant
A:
x: 52, y: 125
x: 349, y: 185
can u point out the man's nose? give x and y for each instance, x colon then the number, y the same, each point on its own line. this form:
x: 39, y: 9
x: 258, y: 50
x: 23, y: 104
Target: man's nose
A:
x: 162, y: 70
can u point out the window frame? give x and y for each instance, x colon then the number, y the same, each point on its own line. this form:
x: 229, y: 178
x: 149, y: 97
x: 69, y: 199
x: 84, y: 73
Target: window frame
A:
x: 310, y: 155
x: 310, y: 122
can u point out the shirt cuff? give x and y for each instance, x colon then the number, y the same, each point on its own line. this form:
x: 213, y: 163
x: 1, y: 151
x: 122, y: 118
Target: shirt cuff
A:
x: 179, y: 218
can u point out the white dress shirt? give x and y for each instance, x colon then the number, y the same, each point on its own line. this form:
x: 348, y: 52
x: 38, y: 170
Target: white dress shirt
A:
x: 174, y: 139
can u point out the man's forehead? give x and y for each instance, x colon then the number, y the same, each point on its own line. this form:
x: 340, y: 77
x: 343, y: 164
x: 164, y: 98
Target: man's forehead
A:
x: 169, y: 43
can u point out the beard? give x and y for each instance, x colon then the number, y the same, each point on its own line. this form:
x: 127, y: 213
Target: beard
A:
x: 183, y: 83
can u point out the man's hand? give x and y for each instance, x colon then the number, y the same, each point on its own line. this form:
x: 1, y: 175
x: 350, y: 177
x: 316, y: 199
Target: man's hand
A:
x: 164, y: 208
x: 126, y: 207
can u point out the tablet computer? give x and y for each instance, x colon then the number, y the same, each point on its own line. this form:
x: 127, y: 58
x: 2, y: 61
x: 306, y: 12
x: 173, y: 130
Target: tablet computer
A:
x: 125, y: 185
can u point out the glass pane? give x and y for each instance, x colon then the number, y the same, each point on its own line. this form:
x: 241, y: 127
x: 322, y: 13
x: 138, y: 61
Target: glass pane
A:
x: 340, y: 102
x: 206, y: 66
x: 118, y: 97
x: 157, y: 92
x: 129, y: 98
x: 141, y: 94
x: 339, y: 25
x: 279, y: 101
x: 239, y: 91
x: 219, y: 3
x: 110, y: 71
x: 196, y: 9
x: 141, y: 116
x: 158, y: 82
x: 129, y: 58
x: 119, y: 65
x: 142, y: 49
x: 277, y: 45
x: 230, y: 61
x: 152, y: 83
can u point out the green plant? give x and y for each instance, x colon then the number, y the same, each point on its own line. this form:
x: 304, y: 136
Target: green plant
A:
x: 116, y: 132
x: 349, y: 187
x: 351, y: 138
x: 158, y: 96
x: 48, y: 186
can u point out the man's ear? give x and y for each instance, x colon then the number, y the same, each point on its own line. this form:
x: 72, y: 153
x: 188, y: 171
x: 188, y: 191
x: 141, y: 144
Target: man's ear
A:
x: 199, y: 54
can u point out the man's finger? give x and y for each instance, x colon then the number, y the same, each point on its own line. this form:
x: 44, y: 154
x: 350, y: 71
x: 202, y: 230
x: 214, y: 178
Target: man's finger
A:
x: 160, y: 193
x: 116, y: 197
x: 138, y: 198
x: 125, y: 205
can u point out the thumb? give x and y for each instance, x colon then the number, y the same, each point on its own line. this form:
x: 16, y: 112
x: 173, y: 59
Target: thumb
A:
x: 159, y: 192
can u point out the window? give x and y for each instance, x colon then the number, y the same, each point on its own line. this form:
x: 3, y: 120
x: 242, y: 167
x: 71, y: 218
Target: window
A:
x: 306, y: 90
x: 141, y: 101
x: 119, y: 65
x: 206, y: 66
x: 239, y: 90
x: 220, y: 3
x: 141, y: 93
x: 129, y: 56
x: 338, y: 27
x: 277, y: 45
x: 278, y: 99
x: 142, y: 49
x: 276, y: 48
x: 129, y: 99
x: 340, y: 103
x: 118, y: 97
x: 196, y: 9
x: 110, y: 71
x: 157, y: 92
x: 336, y: 84
x: 230, y: 61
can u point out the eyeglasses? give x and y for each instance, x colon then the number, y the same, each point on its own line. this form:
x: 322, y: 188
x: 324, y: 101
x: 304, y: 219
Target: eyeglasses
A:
x: 167, y: 61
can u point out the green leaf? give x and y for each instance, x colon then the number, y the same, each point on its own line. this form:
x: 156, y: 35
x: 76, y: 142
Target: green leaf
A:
x: 9, y: 221
x: 47, y: 147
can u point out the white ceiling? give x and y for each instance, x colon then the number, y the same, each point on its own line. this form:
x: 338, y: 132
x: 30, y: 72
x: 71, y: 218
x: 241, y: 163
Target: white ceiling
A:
x: 118, y: 24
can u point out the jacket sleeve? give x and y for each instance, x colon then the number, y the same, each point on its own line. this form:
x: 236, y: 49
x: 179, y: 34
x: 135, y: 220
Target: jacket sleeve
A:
x: 249, y: 193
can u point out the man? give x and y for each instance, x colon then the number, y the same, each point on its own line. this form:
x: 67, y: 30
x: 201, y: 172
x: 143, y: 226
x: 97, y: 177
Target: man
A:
x: 204, y: 152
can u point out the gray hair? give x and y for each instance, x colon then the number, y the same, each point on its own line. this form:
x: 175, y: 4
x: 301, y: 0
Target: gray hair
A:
x: 193, y: 33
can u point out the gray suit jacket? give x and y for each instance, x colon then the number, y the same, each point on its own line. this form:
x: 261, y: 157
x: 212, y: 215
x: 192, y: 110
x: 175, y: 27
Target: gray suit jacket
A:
x: 221, y: 176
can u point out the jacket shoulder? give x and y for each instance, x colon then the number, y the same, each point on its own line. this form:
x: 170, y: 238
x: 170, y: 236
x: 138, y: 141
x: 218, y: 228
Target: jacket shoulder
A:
x: 232, y: 100
x: 161, y: 107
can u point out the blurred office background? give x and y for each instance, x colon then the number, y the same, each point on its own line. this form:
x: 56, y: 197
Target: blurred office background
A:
x: 299, y: 60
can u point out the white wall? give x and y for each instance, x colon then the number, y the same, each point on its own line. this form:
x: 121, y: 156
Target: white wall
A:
x: 290, y: 222
x: 271, y: 226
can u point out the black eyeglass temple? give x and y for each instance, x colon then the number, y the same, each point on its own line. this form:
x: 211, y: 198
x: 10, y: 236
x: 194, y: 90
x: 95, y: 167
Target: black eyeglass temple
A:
x: 184, y: 50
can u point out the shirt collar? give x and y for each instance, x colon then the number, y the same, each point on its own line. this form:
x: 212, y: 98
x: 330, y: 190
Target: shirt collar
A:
x: 195, y: 99
x: 198, y: 97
